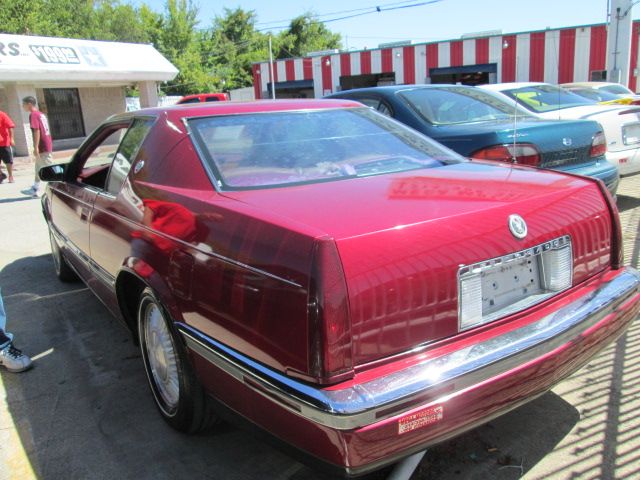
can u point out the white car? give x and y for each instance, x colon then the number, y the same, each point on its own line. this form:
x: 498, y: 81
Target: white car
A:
x: 608, y: 87
x: 621, y: 124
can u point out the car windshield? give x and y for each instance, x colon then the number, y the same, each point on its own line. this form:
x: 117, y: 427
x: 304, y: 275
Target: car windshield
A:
x: 546, y: 98
x: 451, y: 105
x: 285, y: 148
x: 616, y: 90
x: 599, y: 95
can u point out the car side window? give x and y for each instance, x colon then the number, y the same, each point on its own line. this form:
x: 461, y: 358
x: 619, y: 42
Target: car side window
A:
x: 127, y: 152
x: 384, y: 109
x: 369, y: 102
x: 93, y: 166
x: 377, y: 104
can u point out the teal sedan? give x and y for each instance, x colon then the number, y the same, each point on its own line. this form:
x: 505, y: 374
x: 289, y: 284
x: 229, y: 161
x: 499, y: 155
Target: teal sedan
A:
x: 480, y: 125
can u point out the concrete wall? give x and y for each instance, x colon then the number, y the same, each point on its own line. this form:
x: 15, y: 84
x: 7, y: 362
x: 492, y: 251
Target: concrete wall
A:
x: 3, y: 100
x: 242, y: 94
x: 100, y: 103
x: 12, y: 102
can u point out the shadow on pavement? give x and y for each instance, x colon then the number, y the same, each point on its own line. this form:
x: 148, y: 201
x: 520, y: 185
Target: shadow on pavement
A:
x: 625, y: 202
x: 17, y: 199
x: 505, y: 448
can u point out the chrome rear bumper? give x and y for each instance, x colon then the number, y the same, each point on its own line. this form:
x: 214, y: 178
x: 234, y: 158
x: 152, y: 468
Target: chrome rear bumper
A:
x: 370, y: 402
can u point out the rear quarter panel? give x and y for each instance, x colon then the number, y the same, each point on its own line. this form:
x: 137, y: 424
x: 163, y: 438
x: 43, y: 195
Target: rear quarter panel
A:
x: 235, y: 273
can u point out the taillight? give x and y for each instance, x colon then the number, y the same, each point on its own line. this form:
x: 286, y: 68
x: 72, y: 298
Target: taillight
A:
x: 598, y: 145
x: 330, y: 357
x: 522, y: 153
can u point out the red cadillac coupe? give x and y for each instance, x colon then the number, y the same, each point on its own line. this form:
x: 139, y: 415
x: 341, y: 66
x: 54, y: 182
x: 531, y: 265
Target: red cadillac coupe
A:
x: 350, y: 286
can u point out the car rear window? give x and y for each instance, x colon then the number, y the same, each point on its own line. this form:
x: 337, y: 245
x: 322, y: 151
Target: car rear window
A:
x: 546, y: 98
x: 594, y: 94
x: 616, y: 89
x: 451, y: 105
x: 263, y: 150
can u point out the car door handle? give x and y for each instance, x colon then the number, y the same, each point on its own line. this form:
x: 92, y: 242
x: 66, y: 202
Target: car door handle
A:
x: 84, y: 214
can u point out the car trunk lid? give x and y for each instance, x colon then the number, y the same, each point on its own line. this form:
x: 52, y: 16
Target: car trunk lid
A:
x: 560, y: 143
x: 402, y: 238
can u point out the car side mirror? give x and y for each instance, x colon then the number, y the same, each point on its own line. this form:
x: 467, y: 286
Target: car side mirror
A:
x: 52, y: 173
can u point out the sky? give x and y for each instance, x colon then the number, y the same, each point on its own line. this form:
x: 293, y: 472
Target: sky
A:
x: 446, y: 19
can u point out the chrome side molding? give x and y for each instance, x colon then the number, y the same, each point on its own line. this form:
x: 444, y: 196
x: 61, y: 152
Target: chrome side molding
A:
x: 383, y: 397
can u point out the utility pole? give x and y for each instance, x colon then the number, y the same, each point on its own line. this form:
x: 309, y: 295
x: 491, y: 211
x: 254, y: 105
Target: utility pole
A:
x: 619, y: 36
x: 273, y: 83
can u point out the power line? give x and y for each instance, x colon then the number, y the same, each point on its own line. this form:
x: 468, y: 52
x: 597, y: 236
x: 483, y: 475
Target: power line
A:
x: 341, y: 12
x: 377, y: 9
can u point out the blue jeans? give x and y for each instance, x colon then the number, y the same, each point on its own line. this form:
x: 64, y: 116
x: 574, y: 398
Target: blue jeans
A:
x: 5, y: 339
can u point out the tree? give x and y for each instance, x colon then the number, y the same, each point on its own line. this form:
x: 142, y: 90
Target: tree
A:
x: 306, y: 34
x: 232, y: 45
x: 215, y: 58
x: 178, y: 41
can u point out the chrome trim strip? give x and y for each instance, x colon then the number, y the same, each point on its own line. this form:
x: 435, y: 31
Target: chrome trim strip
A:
x: 228, y: 260
x: 213, y: 178
x: 252, y: 269
x: 370, y: 402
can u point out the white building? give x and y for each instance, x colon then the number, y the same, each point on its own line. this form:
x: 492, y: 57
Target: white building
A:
x: 78, y: 83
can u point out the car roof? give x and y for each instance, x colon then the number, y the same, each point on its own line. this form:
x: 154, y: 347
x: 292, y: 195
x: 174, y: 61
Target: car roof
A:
x: 498, y: 87
x: 394, y: 88
x: 235, y: 108
x: 200, y: 95
x: 587, y: 84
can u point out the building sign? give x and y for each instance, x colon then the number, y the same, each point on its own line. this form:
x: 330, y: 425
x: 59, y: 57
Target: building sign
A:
x: 32, y: 59
x: 51, y: 54
x: 25, y: 52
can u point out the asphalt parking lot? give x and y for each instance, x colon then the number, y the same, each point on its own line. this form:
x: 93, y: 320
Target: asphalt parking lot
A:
x: 85, y: 411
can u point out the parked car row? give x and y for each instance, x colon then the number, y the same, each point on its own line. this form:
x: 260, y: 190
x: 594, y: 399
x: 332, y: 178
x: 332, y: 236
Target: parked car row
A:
x: 478, y: 124
x: 338, y: 279
x: 621, y: 124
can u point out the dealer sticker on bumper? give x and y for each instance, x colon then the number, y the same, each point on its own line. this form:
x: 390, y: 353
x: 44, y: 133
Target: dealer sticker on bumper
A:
x: 420, y: 419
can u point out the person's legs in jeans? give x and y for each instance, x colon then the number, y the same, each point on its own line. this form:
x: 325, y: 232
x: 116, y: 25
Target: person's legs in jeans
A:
x: 10, y: 357
x: 42, y: 160
x: 4, y: 339
x: 6, y: 157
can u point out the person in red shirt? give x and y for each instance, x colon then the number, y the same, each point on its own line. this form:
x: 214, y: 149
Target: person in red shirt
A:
x: 42, y: 142
x: 6, y: 142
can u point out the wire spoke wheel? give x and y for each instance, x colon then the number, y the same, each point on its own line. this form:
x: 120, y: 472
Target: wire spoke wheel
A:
x: 161, y: 356
x: 176, y: 390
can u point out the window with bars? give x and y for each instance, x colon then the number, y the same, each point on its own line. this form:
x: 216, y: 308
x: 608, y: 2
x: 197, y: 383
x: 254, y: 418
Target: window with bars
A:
x: 64, y: 113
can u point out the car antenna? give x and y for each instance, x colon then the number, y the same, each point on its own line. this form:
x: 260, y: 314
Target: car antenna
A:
x: 515, y: 117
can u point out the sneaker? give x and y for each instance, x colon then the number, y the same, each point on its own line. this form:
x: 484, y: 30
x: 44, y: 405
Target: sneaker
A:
x: 3, y: 176
x: 11, y: 180
x: 14, y: 360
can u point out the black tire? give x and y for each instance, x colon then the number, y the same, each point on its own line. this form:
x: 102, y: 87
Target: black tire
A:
x: 63, y: 271
x: 188, y: 409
